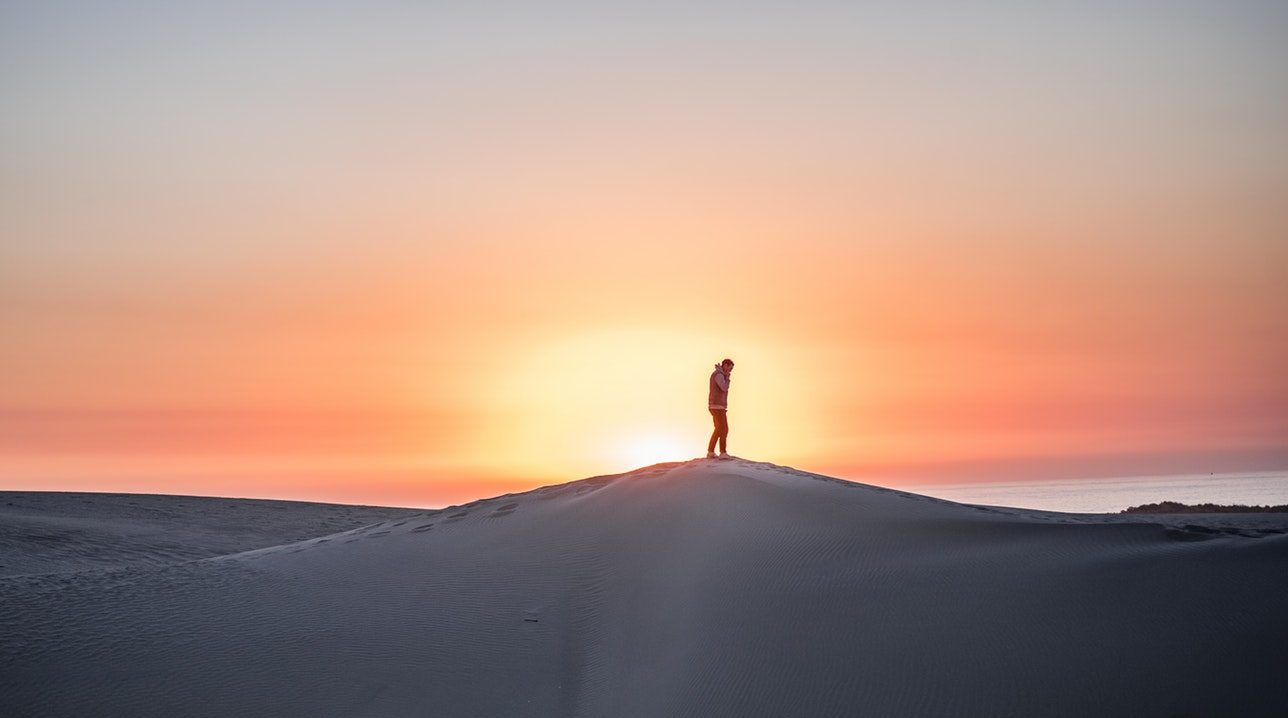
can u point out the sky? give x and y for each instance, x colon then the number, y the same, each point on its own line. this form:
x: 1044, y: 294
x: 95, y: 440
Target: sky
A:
x: 419, y: 253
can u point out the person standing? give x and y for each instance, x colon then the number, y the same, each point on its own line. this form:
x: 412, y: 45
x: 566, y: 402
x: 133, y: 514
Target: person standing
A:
x: 718, y: 403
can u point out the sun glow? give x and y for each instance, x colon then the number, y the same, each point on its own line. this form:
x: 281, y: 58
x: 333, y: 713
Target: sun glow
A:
x: 618, y: 399
x: 651, y: 448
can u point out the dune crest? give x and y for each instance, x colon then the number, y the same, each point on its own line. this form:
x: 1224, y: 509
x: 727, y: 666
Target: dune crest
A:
x: 700, y: 588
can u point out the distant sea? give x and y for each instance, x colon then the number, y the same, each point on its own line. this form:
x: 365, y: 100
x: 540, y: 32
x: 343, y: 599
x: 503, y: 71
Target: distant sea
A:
x: 1113, y: 495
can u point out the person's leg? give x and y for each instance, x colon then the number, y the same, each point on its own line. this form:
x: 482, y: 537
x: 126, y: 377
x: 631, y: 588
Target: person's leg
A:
x: 724, y: 432
x: 715, y: 433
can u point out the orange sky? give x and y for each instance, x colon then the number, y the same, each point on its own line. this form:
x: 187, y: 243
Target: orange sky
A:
x: 412, y: 256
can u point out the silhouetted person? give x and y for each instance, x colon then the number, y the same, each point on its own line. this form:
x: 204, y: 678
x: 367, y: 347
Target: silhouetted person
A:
x: 718, y: 403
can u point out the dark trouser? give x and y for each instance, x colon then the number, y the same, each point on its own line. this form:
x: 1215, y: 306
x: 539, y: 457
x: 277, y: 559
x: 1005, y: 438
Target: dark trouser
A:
x: 721, y: 432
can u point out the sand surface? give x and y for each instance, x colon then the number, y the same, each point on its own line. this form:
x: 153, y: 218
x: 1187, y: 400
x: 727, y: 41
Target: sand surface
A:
x: 705, y: 588
x: 49, y: 532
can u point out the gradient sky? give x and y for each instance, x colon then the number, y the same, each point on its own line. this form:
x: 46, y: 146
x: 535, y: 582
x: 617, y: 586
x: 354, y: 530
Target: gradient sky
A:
x: 415, y: 253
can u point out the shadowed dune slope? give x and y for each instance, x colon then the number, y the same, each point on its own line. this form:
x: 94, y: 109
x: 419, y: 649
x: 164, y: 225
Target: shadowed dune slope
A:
x: 705, y: 588
x: 47, y: 532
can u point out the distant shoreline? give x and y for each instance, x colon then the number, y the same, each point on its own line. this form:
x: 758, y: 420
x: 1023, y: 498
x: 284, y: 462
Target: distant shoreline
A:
x: 1176, y: 507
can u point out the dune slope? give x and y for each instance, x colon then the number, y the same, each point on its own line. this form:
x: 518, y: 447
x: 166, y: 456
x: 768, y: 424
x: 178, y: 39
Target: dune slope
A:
x: 697, y: 589
x: 48, y: 532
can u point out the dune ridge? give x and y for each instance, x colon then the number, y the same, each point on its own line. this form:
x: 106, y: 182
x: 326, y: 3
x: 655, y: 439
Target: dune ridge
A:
x: 700, y: 588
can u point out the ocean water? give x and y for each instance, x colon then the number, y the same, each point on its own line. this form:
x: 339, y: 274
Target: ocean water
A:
x: 1113, y: 495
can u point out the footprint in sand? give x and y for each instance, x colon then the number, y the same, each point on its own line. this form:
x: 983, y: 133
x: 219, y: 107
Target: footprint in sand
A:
x: 422, y: 528
x: 590, y: 485
x: 550, y: 493
x: 505, y: 510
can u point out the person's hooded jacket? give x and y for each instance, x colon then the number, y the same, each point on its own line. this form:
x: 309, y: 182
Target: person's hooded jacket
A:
x: 718, y: 394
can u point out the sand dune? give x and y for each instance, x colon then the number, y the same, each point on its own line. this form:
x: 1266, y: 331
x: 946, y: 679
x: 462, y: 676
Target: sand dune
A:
x: 703, y: 588
x: 47, y: 532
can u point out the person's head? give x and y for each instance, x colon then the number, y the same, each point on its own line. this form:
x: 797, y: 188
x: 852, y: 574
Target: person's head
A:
x: 727, y: 365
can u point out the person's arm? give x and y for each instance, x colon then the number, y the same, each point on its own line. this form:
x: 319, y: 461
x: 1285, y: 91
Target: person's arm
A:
x: 722, y: 381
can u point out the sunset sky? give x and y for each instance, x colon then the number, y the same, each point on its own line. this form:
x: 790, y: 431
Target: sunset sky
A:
x: 419, y: 253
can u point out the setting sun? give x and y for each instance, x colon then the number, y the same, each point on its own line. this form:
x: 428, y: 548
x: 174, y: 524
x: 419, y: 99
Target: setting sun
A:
x: 616, y: 399
x: 651, y: 448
